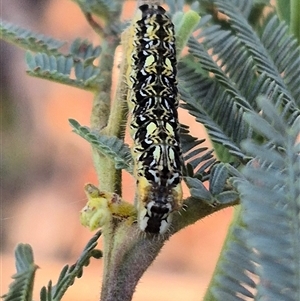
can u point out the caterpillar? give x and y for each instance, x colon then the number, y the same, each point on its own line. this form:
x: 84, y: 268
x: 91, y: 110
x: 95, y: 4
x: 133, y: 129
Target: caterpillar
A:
x: 154, y: 127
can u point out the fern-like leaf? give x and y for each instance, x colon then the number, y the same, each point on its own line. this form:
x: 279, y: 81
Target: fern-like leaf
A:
x: 112, y: 147
x: 198, y: 159
x: 218, y: 89
x: 58, y: 69
x: 29, y: 40
x: 199, y: 191
x: 85, y: 51
x: 101, y: 8
x: 69, y: 273
x: 199, y: 167
x: 22, y: 287
x: 260, y: 54
x: 218, y: 192
x: 270, y: 193
x: 285, y: 52
x: 229, y: 132
x: 233, y: 279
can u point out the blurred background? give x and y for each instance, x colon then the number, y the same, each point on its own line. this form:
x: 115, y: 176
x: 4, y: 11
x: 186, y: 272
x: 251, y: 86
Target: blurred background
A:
x: 44, y: 167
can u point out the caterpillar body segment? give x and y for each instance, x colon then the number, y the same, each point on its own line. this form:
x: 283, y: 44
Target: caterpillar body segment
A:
x: 154, y: 127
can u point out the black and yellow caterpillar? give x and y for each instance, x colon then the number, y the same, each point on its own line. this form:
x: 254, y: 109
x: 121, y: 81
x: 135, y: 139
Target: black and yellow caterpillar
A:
x: 154, y: 127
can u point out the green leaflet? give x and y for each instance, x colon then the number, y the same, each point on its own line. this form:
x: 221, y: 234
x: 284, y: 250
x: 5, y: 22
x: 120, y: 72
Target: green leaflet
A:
x: 219, y: 89
x: 270, y: 196
x: 70, y: 273
x: 29, y: 40
x: 21, y: 288
x: 58, y: 69
x: 111, y: 146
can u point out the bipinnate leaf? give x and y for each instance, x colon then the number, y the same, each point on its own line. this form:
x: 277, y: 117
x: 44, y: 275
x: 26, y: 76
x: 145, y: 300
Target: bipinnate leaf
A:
x: 21, y: 288
x: 58, y: 68
x: 29, y: 40
x: 70, y: 273
x: 111, y: 146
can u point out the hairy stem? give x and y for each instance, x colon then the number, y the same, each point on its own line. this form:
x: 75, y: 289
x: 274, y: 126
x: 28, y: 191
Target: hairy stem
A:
x: 116, y: 122
x: 130, y: 255
x: 131, y: 252
x: 109, y: 178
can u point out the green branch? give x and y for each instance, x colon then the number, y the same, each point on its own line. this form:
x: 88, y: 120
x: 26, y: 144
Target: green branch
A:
x: 289, y: 11
x: 295, y: 19
x: 109, y: 178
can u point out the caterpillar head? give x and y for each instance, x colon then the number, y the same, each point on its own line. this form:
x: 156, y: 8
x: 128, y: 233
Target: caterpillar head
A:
x: 155, y: 218
x: 156, y: 204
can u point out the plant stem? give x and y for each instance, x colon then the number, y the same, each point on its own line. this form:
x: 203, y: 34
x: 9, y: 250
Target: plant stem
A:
x: 295, y: 19
x: 130, y: 255
x: 116, y: 122
x: 109, y: 178
x: 128, y: 252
